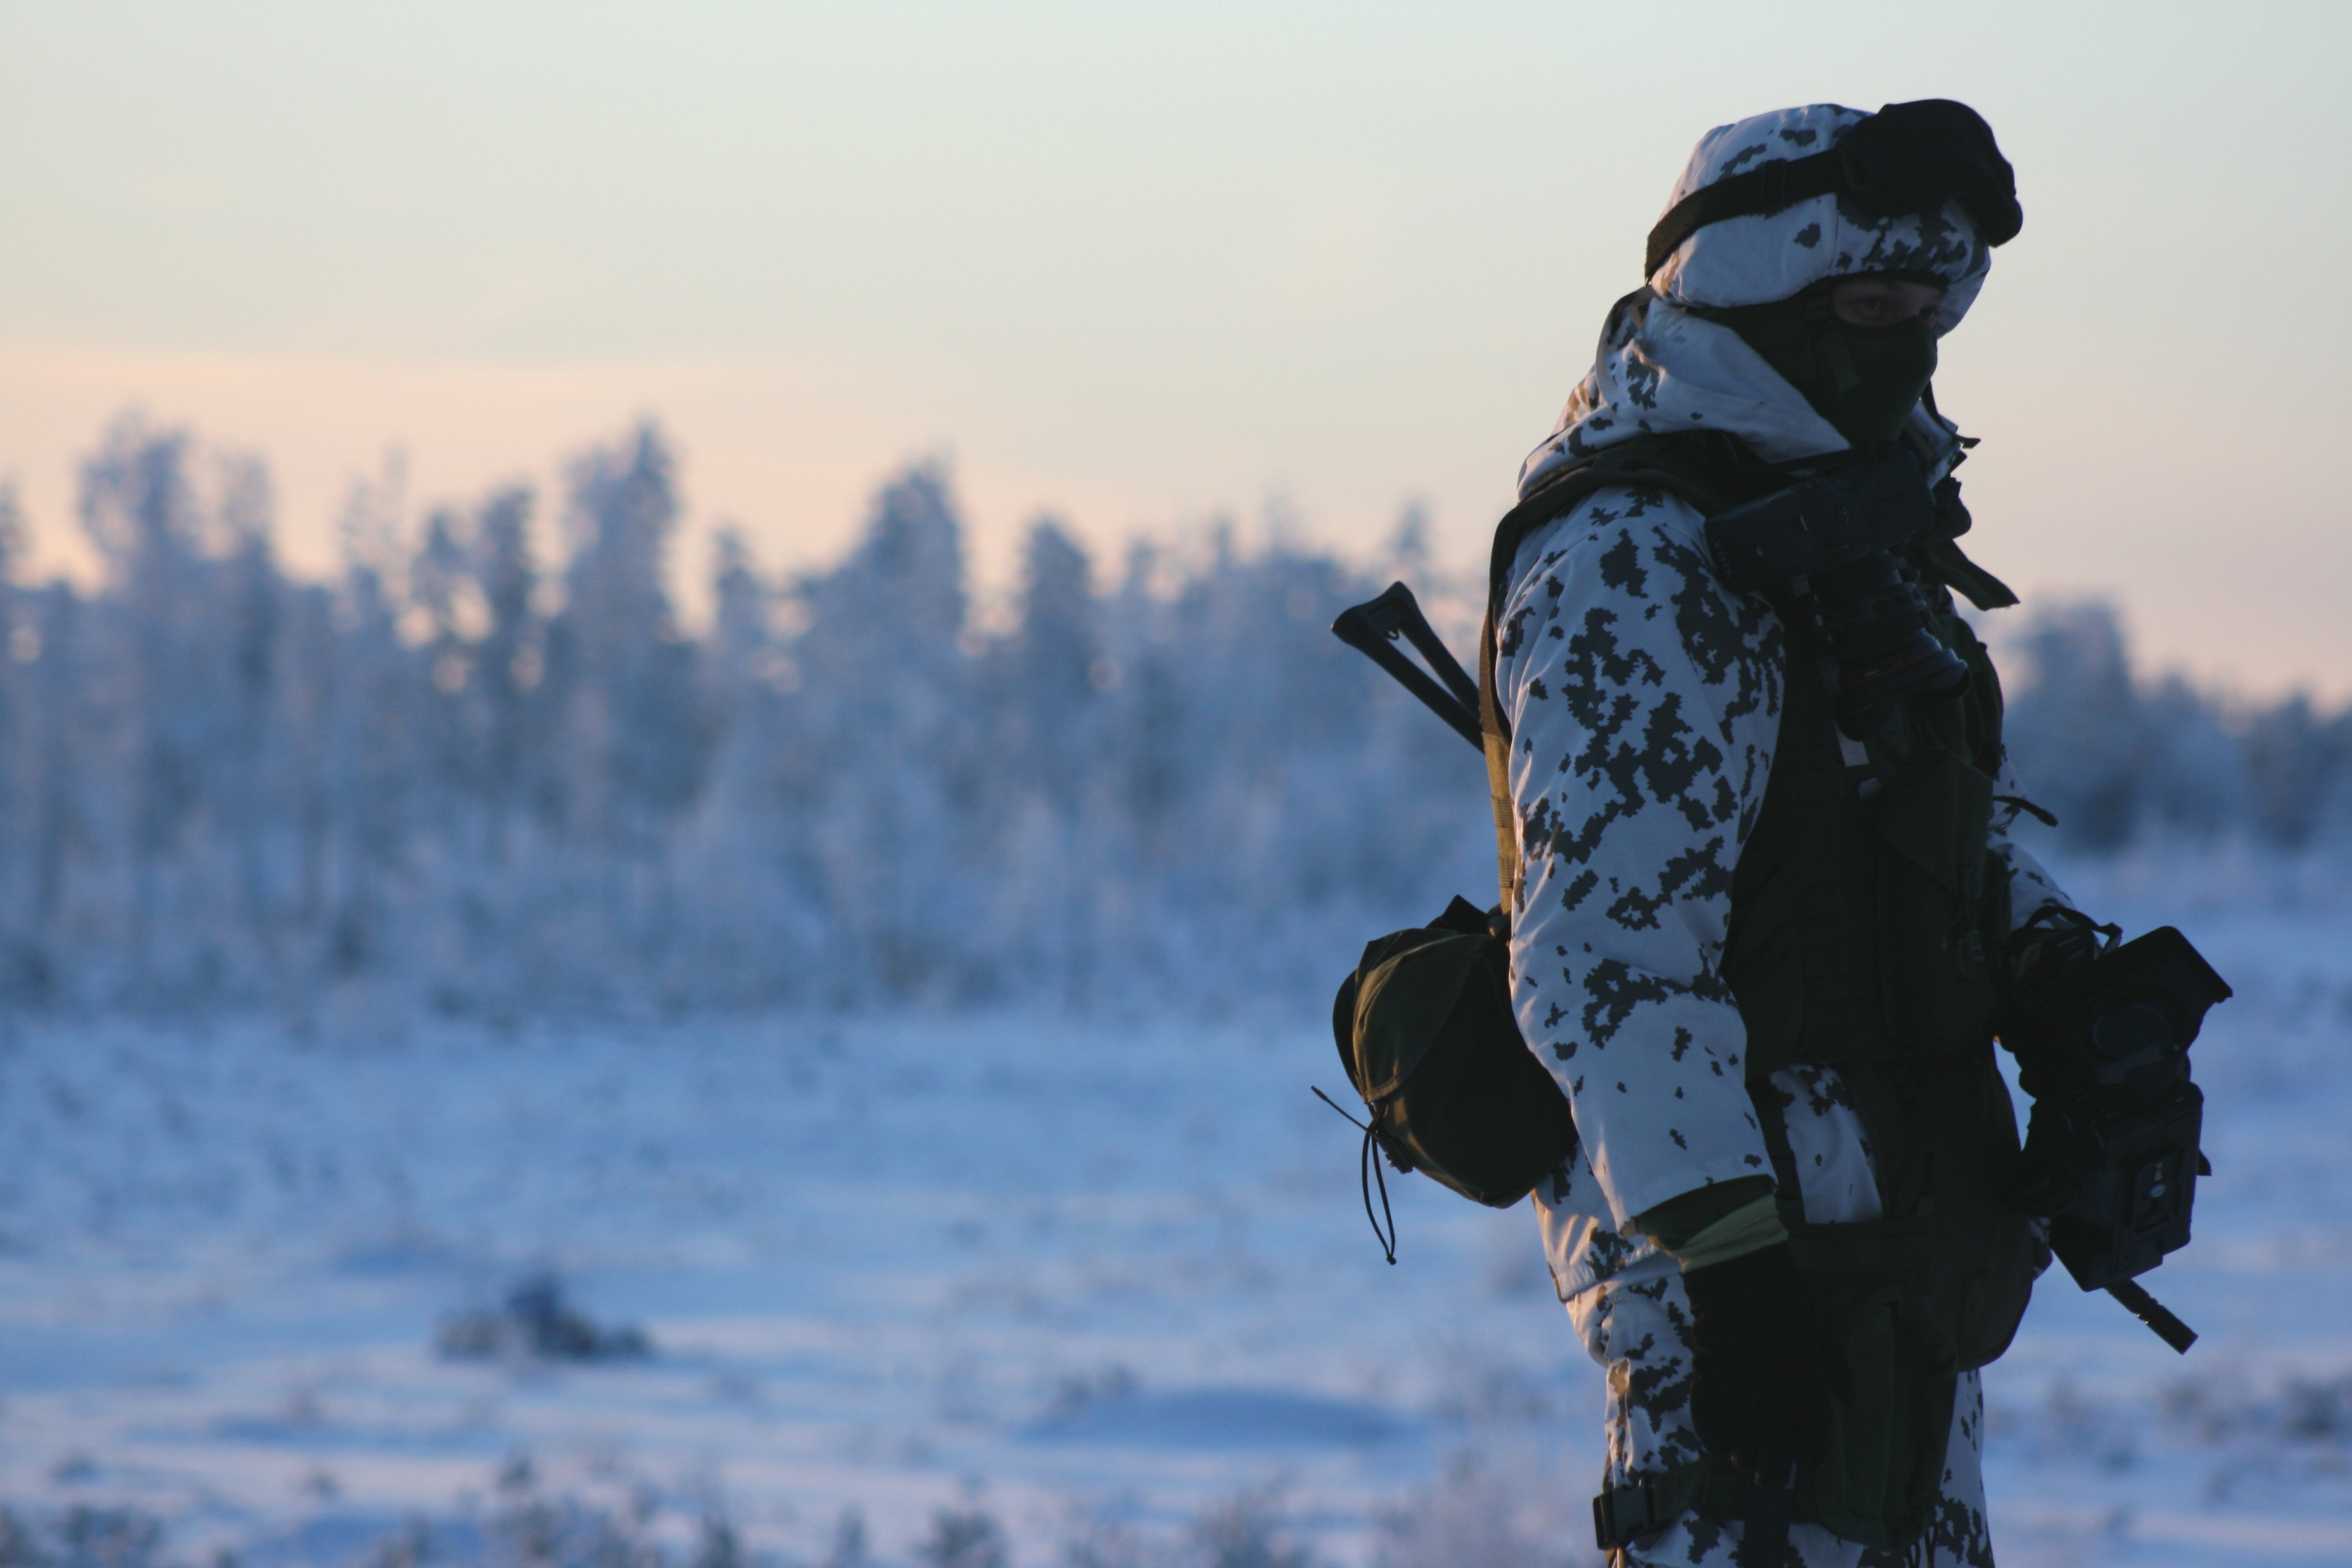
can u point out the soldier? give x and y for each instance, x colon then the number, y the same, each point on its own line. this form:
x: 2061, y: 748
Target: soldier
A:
x: 1761, y: 908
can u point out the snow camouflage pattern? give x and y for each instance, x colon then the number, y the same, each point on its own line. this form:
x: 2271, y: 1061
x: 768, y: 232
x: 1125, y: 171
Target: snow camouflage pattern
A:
x: 1637, y: 1332
x: 1659, y: 368
x: 1643, y: 699
x: 1644, y: 703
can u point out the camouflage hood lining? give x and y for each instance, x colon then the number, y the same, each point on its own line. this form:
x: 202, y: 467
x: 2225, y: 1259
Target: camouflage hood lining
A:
x: 1661, y: 370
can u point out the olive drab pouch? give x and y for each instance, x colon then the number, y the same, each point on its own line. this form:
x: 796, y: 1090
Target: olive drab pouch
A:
x: 1953, y: 1125
x: 1425, y: 1032
x: 1891, y: 1407
x: 1893, y: 1383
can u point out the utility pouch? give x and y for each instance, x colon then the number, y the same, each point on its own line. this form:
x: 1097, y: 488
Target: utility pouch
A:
x: 1953, y: 1112
x: 1878, y: 1284
x: 1878, y: 1482
x: 1425, y: 1032
x: 1878, y: 1479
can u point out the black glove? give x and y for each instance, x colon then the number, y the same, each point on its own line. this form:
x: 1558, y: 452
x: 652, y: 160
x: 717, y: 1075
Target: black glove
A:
x: 2061, y: 1157
x: 1761, y: 1364
x: 2054, y: 944
x: 2102, y: 1044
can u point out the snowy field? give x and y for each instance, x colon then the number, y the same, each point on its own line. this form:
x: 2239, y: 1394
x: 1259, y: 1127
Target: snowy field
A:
x: 977, y: 1288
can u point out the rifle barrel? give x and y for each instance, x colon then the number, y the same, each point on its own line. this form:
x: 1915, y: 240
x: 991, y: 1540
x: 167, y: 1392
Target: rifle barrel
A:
x: 2152, y: 1312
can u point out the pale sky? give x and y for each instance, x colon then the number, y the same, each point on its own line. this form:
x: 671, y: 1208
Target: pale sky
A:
x: 1142, y: 265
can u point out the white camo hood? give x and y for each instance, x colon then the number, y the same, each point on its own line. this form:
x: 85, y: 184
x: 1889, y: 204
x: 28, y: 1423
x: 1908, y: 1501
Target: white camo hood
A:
x: 1660, y: 368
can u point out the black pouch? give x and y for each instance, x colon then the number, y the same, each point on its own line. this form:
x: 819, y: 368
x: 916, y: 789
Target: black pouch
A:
x: 1891, y: 1409
x: 1897, y: 1374
x: 1425, y: 1033
x: 1880, y: 1478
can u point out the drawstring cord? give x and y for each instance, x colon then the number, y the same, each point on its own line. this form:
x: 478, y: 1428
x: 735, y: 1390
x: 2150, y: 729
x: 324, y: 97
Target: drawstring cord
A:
x: 1368, y: 1171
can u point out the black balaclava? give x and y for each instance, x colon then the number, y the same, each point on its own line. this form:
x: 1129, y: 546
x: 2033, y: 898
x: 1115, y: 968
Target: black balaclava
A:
x: 1862, y: 379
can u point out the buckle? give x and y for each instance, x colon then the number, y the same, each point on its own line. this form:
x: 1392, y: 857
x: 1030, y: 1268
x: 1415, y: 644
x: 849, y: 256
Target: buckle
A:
x: 1621, y: 1514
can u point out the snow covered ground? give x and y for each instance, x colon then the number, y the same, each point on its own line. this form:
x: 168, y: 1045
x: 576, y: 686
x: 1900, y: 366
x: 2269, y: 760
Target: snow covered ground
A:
x: 1100, y: 1289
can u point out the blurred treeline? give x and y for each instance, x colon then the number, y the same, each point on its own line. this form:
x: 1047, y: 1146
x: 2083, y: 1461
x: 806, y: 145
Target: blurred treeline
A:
x: 467, y: 778
x: 2122, y: 758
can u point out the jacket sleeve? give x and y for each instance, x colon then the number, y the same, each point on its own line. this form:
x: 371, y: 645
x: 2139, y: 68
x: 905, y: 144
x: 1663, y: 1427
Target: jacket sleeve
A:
x: 1644, y: 700
x: 2030, y: 885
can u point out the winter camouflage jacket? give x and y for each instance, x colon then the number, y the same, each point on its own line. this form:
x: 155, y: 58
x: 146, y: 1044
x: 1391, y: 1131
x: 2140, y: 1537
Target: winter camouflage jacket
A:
x: 1644, y: 698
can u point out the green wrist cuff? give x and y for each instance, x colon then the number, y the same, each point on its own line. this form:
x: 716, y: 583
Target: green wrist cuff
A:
x: 1751, y: 1227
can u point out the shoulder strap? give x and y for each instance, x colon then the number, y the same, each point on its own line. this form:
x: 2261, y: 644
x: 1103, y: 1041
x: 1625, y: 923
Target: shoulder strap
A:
x: 1708, y: 470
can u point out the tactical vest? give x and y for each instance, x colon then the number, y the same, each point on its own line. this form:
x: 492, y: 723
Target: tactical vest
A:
x: 1867, y: 913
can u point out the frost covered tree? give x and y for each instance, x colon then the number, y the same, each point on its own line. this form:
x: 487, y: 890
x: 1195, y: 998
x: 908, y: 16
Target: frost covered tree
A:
x: 1040, y: 688
x: 886, y: 725
x: 511, y: 668
x: 1045, y: 674
x: 634, y: 723
x: 2299, y: 764
x: 2078, y: 726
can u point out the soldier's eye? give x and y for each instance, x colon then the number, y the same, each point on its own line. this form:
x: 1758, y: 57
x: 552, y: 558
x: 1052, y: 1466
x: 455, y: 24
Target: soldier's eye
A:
x: 1880, y: 304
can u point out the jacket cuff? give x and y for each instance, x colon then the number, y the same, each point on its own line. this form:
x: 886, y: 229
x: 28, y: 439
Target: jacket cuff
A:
x: 1751, y: 1227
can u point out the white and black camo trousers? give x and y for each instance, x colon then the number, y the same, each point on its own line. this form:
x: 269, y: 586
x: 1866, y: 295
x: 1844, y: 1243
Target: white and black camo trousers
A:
x: 1634, y: 1319
x: 1636, y: 1333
